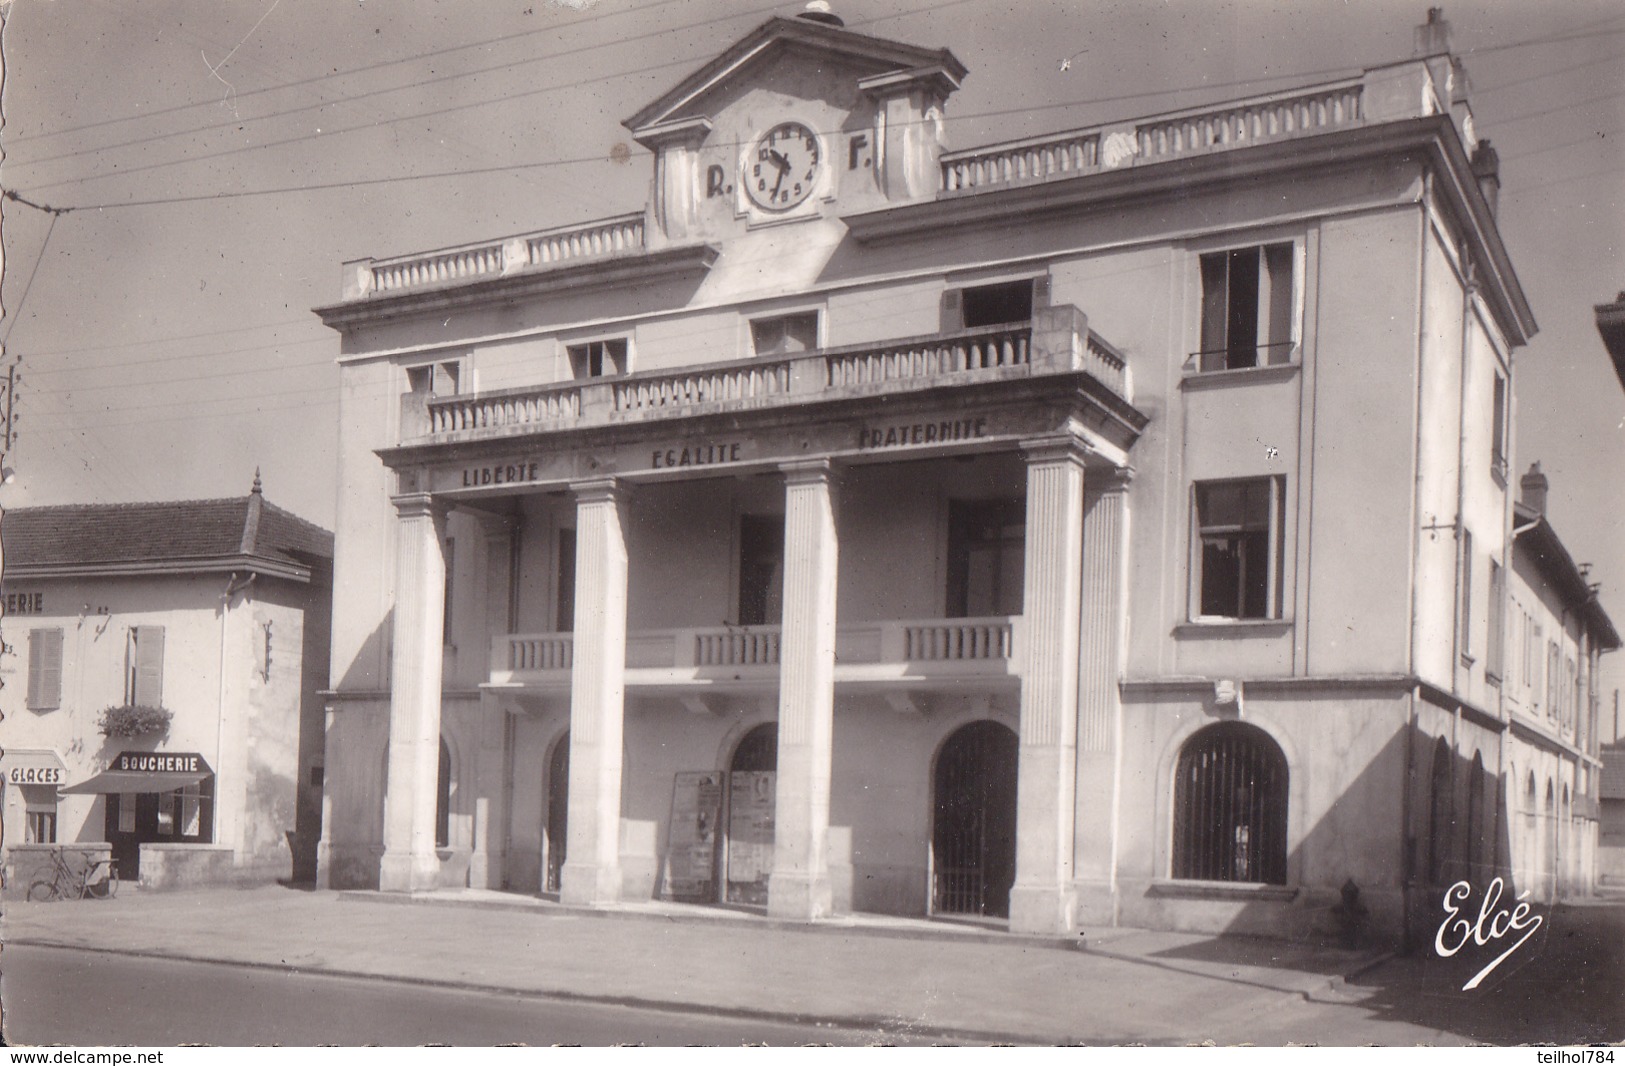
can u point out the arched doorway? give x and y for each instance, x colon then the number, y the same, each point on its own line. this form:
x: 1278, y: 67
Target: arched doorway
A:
x: 558, y: 812
x: 752, y: 777
x: 973, y: 830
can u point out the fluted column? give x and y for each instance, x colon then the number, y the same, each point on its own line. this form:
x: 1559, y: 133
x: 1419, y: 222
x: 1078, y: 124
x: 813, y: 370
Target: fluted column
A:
x: 486, y: 862
x: 409, y: 862
x: 799, y: 887
x: 1105, y: 514
x: 592, y: 871
x: 1042, y: 899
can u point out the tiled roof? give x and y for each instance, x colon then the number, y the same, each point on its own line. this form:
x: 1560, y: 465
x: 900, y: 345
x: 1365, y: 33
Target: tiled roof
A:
x: 1613, y: 773
x: 174, y: 532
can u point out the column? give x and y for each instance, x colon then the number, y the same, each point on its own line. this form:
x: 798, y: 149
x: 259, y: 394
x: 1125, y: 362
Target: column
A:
x: 592, y: 870
x: 799, y: 886
x: 1105, y: 515
x: 409, y: 862
x: 1042, y: 899
x: 491, y: 763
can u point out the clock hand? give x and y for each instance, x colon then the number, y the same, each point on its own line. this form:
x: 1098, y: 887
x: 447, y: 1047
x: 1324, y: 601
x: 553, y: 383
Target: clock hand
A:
x: 779, y: 159
x: 783, y: 170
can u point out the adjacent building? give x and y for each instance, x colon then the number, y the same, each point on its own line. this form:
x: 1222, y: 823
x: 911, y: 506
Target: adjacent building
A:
x: 161, y: 673
x: 1102, y: 526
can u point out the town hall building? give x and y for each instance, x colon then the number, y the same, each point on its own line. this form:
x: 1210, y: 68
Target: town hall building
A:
x: 1093, y: 528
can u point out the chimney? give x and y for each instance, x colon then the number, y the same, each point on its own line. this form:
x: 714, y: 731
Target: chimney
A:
x: 1534, y: 486
x: 1487, y: 169
x: 818, y: 11
x: 1432, y: 38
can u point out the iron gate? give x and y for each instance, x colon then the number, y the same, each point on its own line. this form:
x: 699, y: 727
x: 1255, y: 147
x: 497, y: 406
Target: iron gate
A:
x: 973, y: 838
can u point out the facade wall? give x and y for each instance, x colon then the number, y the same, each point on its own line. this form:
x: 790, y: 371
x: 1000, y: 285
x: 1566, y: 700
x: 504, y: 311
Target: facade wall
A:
x: 237, y: 683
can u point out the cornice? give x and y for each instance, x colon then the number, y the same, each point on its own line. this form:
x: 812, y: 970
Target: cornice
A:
x: 164, y: 568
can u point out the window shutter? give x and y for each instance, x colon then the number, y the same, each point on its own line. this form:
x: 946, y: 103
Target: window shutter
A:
x: 44, y: 669
x: 1215, y: 311
x: 1041, y: 296
x: 149, y: 666
x: 953, y: 314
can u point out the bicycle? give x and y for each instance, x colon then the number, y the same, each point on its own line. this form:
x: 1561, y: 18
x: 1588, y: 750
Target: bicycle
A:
x: 67, y: 883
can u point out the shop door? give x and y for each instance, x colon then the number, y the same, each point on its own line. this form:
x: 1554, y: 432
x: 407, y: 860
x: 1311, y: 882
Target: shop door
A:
x: 973, y: 836
x: 131, y: 819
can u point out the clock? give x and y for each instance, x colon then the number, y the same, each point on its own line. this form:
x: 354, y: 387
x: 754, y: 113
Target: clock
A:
x: 780, y: 172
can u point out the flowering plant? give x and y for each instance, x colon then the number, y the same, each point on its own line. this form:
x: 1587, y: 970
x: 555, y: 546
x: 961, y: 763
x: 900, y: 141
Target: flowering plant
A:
x: 134, y: 720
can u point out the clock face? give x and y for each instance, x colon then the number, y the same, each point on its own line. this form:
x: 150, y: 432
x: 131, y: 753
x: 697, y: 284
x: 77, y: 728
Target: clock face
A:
x: 781, y: 172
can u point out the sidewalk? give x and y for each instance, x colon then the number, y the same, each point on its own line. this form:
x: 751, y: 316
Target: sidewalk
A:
x: 959, y: 982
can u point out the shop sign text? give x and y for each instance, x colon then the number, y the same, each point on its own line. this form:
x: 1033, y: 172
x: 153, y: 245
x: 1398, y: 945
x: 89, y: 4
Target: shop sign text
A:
x: 25, y: 603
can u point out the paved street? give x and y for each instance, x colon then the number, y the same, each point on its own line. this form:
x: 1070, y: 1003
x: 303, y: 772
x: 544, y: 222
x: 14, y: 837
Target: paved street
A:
x: 481, y: 969
x: 69, y: 996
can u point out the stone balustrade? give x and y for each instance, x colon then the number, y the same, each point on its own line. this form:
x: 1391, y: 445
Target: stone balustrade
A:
x: 952, y: 645
x: 1036, y: 158
x: 1058, y: 340
x: 599, y: 239
x: 1249, y: 122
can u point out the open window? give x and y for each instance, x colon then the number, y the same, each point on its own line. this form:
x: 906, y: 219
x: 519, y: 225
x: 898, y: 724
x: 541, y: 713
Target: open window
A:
x: 994, y: 304
x: 1236, y: 562
x: 443, y: 378
x: 986, y: 557
x: 1250, y: 299
x: 598, y: 359
x: 784, y: 334
x: 761, y: 569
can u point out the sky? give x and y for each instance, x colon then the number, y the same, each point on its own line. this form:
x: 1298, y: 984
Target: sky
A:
x: 202, y: 168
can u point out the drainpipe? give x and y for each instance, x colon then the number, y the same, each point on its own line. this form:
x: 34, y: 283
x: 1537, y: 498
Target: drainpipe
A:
x: 233, y: 586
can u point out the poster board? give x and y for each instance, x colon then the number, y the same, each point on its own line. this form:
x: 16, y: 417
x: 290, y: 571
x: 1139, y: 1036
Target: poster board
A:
x: 696, y: 813
x: 750, y: 835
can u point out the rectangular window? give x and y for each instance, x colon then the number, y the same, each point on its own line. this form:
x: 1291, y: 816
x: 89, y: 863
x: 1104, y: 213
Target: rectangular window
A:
x: 166, y: 813
x: 1498, y: 429
x: 445, y: 607
x: 565, y: 616
x: 435, y: 379
x: 1497, y: 636
x: 1464, y: 627
x: 597, y: 359
x: 41, y: 827
x: 784, y: 334
x: 995, y: 305
x: 1248, y: 307
x: 191, y: 798
x: 987, y: 542
x: 1238, y: 549
x: 144, y: 666
x: 126, y: 812
x: 761, y: 569
x: 44, y: 669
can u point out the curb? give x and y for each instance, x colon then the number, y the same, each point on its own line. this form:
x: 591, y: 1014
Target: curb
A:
x: 1071, y: 943
x: 875, y: 1023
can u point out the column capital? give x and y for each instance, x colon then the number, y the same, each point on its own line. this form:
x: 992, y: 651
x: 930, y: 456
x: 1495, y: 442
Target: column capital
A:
x: 420, y: 505
x: 601, y: 490
x: 1059, y: 447
x: 806, y: 471
x: 1113, y: 480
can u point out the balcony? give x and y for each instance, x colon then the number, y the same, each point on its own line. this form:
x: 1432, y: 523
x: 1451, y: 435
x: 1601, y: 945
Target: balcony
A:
x: 933, y: 654
x: 1057, y: 341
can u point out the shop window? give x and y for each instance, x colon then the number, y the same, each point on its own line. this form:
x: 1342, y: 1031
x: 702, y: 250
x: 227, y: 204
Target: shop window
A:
x: 41, y: 826
x: 1248, y: 307
x: 44, y: 669
x: 144, y: 666
x: 761, y: 569
x: 565, y: 617
x: 126, y: 812
x: 1237, y: 557
x: 1230, y: 807
x: 598, y: 359
x: 986, y: 557
x: 784, y: 334
x: 1498, y: 430
x: 442, y: 799
x: 185, y: 813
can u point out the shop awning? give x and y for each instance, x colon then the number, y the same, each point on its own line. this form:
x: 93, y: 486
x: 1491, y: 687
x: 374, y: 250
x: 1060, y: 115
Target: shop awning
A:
x: 146, y: 771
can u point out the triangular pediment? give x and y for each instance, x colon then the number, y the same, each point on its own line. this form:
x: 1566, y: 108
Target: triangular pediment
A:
x: 870, y: 55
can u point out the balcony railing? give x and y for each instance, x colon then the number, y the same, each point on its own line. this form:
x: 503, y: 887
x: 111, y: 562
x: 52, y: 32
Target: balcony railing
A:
x: 1230, y: 125
x: 599, y: 239
x: 944, y: 646
x: 1056, y: 342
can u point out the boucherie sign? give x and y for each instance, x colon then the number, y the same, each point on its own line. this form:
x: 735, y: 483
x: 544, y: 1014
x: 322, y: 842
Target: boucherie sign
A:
x: 160, y: 762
